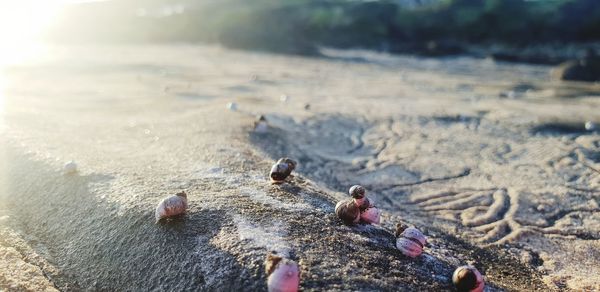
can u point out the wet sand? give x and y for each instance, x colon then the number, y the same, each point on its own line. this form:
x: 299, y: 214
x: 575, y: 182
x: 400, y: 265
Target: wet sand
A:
x: 492, y: 161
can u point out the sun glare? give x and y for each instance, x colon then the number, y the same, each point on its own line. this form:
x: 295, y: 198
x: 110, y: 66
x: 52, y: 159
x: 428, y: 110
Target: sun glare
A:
x: 21, y: 25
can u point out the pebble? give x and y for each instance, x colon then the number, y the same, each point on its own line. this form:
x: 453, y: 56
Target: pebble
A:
x: 232, y: 106
x: 70, y: 167
x: 590, y: 126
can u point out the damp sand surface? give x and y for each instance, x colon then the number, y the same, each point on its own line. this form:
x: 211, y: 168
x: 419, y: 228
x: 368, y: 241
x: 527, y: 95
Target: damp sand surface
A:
x: 495, y: 163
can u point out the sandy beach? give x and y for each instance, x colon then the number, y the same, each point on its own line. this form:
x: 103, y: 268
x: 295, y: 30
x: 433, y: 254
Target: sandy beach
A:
x: 498, y: 166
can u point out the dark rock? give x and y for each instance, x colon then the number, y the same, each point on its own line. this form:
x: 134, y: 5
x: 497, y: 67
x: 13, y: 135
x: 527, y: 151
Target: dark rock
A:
x: 586, y: 69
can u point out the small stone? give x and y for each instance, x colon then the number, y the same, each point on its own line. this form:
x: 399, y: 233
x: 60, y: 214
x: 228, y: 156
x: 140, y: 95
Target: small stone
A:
x: 590, y: 126
x: 70, y: 167
x: 232, y: 106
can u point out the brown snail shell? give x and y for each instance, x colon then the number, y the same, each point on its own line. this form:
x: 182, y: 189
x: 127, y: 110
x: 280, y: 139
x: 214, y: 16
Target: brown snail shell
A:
x: 400, y: 227
x: 348, y: 212
x: 410, y: 241
x: 171, y: 206
x: 289, y: 161
x: 468, y: 279
x: 283, y: 274
x: 282, y: 169
x: 357, y: 191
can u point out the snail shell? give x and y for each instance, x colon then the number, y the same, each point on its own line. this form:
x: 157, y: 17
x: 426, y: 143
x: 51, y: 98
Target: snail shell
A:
x: 292, y: 164
x: 368, y: 212
x: 348, y: 211
x: 261, y: 125
x: 357, y: 191
x: 171, y: 206
x: 282, y: 169
x: 468, y: 278
x: 70, y: 167
x: 358, y: 194
x: 283, y: 274
x: 411, y: 242
x: 370, y: 215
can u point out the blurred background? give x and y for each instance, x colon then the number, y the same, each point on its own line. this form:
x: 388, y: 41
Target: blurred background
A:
x: 536, y: 31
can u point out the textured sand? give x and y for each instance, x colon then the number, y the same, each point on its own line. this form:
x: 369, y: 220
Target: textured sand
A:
x: 492, y: 161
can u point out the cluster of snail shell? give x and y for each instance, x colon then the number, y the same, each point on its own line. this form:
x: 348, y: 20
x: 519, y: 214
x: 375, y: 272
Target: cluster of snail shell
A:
x: 284, y: 274
x: 358, y: 209
x: 410, y: 241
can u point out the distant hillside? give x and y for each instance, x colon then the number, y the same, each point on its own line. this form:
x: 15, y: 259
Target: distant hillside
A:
x: 298, y: 26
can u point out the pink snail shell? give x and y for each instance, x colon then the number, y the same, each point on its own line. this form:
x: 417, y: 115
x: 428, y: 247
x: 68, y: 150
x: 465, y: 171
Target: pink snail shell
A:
x: 283, y: 274
x: 171, y: 206
x: 468, y: 278
x: 370, y: 215
x: 411, y: 242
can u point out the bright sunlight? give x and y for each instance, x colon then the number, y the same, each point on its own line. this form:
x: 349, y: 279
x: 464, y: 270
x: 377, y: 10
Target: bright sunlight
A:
x: 21, y: 25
